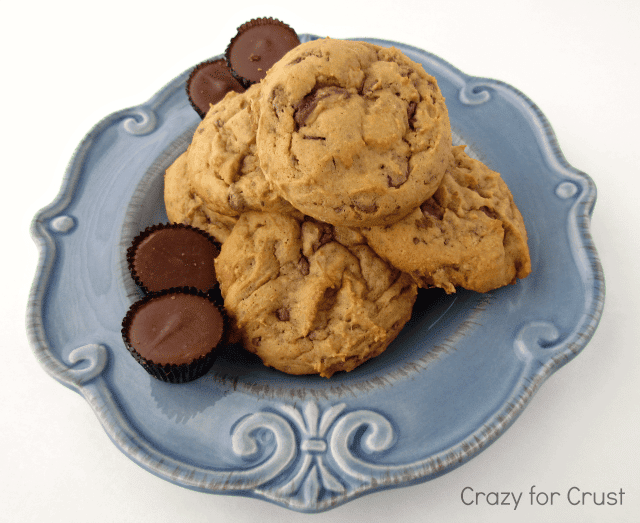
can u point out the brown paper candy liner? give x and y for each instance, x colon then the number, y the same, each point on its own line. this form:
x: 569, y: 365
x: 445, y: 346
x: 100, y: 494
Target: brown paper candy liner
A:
x: 174, y: 373
x: 221, y: 81
x: 283, y: 28
x: 131, y: 252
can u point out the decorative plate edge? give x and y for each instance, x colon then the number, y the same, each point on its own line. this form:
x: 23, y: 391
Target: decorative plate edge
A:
x: 117, y: 427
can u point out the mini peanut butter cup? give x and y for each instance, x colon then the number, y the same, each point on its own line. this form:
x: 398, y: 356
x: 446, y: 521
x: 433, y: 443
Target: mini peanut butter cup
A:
x: 173, y: 255
x: 208, y: 83
x: 174, y: 334
x: 258, y: 45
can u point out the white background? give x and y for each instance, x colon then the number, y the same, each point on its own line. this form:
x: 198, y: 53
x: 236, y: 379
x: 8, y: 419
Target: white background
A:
x: 67, y: 64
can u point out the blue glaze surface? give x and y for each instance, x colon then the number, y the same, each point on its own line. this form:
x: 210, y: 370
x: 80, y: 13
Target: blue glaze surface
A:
x: 455, y: 379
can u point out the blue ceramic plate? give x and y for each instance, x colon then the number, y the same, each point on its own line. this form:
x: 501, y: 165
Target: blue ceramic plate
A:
x: 460, y: 373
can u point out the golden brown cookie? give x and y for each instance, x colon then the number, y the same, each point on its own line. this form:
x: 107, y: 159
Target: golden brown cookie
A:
x: 183, y: 205
x: 219, y: 176
x: 469, y: 234
x: 352, y: 133
x: 222, y: 167
x: 304, y: 302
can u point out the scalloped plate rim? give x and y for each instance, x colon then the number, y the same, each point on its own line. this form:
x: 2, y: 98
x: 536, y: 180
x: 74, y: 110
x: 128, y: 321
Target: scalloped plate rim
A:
x: 98, y: 395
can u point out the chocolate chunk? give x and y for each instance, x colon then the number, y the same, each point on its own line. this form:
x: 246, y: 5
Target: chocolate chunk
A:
x: 391, y: 182
x: 411, y: 114
x: 329, y: 299
x: 394, y: 178
x: 306, y: 106
x: 489, y: 212
x: 283, y: 314
x: 431, y: 208
x: 303, y: 265
x: 365, y: 207
x: 208, y: 83
x: 236, y: 199
x: 325, y: 235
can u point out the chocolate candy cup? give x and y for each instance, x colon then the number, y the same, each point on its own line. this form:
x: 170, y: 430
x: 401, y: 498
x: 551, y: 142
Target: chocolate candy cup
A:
x: 258, y: 45
x: 173, y: 255
x: 173, y: 334
x: 208, y: 83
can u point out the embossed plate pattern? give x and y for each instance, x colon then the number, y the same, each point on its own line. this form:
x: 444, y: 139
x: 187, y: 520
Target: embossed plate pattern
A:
x: 459, y: 374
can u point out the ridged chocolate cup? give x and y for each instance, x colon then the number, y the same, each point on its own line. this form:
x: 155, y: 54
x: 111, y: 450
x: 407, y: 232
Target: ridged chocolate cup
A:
x: 258, y: 44
x: 209, y: 82
x: 174, y: 372
x: 143, y: 281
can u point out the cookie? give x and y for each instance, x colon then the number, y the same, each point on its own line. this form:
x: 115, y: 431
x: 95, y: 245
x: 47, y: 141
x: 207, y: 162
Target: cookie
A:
x: 306, y: 303
x: 222, y: 167
x: 183, y: 205
x: 469, y: 234
x: 352, y: 133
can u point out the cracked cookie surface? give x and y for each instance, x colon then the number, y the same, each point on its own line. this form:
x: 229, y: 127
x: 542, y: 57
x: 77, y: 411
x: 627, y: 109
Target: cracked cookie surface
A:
x: 352, y: 133
x: 183, y: 205
x: 219, y: 176
x: 310, y: 298
x: 469, y: 234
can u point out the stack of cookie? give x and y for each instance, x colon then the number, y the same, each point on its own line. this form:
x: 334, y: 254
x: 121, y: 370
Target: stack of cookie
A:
x: 335, y: 191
